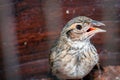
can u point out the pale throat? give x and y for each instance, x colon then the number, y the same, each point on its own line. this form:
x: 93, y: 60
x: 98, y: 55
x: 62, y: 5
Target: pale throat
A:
x: 80, y: 44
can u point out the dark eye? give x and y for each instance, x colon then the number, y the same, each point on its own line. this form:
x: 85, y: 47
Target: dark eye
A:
x: 79, y: 27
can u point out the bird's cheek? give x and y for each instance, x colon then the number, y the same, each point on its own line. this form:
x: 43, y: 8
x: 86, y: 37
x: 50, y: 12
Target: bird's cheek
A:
x: 88, y: 35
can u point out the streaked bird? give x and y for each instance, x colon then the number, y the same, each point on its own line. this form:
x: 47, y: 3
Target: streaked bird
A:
x: 73, y: 56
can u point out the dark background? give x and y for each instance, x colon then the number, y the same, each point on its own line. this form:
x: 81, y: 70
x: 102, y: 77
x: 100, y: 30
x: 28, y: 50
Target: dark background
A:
x: 29, y: 28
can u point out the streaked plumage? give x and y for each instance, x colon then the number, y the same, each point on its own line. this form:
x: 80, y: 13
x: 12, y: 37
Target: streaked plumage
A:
x: 73, y: 56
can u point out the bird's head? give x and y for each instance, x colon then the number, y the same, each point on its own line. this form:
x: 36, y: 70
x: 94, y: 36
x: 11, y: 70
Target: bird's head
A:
x: 81, y: 28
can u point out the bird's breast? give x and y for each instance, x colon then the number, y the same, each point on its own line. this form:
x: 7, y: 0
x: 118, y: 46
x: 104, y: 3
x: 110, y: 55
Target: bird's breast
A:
x: 77, y: 62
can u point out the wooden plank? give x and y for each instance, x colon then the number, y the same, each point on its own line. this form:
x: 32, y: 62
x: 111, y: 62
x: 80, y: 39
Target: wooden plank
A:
x: 30, y: 68
x: 35, y: 36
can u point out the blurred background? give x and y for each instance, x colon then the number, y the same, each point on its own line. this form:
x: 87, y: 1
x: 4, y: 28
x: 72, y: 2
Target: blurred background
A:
x: 29, y: 28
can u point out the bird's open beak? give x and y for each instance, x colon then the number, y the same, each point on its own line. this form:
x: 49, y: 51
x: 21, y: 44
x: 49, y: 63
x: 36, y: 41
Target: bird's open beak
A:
x: 95, y: 29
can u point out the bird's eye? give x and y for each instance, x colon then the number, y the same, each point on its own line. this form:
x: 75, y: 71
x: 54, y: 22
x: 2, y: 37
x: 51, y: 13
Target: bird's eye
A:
x: 79, y: 27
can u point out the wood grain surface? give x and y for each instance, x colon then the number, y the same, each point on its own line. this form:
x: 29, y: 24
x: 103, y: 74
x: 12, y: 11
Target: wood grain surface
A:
x: 29, y: 28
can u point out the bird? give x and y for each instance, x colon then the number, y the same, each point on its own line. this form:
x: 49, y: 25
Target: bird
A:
x: 73, y: 56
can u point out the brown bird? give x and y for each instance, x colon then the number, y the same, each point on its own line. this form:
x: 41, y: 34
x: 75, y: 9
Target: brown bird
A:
x: 73, y: 56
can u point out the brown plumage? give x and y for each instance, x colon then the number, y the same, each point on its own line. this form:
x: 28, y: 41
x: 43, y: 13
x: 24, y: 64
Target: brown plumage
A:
x: 73, y: 56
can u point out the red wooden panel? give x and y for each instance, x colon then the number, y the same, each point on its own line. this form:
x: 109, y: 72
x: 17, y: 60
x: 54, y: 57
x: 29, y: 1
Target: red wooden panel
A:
x: 38, y: 23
